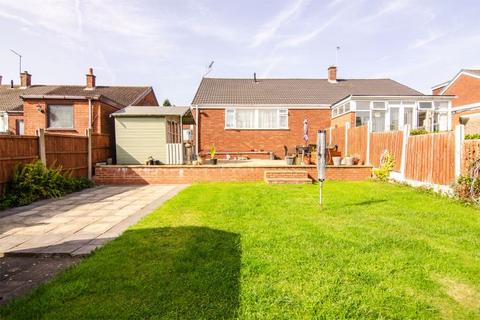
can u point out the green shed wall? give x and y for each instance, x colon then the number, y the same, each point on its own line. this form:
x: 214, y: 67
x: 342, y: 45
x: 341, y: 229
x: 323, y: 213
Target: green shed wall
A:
x: 138, y: 138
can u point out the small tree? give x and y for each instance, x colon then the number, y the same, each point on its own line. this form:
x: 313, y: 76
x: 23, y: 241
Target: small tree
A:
x: 166, y: 103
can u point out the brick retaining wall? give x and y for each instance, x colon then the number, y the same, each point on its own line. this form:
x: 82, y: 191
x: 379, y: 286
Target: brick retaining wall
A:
x: 139, y: 174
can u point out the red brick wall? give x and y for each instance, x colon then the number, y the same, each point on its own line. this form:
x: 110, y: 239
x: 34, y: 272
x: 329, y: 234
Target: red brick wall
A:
x: 12, y: 121
x: 35, y: 119
x: 189, y: 174
x: 212, y: 132
x: 101, y: 120
x: 340, y: 121
x: 467, y: 90
x: 437, y: 91
x: 149, y: 100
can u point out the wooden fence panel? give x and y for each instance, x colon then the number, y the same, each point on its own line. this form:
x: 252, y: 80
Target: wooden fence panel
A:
x: 15, y: 150
x: 68, y: 151
x: 470, y: 153
x: 338, y: 138
x: 431, y: 158
x: 101, y: 150
x: 381, y: 141
x: 357, y: 143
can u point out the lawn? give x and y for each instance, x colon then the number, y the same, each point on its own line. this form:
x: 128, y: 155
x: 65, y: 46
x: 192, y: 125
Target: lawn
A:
x: 254, y: 251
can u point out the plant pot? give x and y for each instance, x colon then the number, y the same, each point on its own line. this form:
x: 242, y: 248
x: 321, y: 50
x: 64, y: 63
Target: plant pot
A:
x: 337, y: 161
x: 290, y: 160
x: 212, y: 161
x: 349, y: 161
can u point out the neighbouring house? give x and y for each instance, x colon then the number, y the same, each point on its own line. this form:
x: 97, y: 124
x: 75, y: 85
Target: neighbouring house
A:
x: 71, y: 109
x: 466, y: 106
x: 143, y: 133
x: 255, y: 117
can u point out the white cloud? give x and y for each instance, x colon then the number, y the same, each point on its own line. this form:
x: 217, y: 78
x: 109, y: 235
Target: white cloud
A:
x: 432, y: 36
x: 268, y: 31
x: 296, y: 40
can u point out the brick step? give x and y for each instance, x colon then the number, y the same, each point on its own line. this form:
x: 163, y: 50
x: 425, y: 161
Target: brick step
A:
x: 288, y: 180
x: 289, y: 174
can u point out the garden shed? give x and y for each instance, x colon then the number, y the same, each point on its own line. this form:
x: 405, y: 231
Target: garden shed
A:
x: 144, y: 133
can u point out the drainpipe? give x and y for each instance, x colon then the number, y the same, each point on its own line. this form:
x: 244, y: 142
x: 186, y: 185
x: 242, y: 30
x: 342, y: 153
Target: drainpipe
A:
x: 89, y: 113
x: 196, y: 130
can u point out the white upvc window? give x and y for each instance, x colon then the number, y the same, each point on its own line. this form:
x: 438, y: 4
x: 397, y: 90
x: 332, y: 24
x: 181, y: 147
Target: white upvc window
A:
x: 425, y: 105
x: 379, y: 105
x: 256, y: 119
x: 3, y: 122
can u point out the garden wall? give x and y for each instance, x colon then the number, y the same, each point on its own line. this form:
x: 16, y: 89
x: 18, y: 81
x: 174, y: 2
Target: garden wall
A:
x: 141, y: 174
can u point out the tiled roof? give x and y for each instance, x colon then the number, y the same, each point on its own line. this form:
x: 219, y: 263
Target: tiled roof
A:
x: 293, y: 91
x: 10, y: 97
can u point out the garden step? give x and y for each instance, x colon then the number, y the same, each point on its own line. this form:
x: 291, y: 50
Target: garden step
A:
x: 289, y: 174
x: 288, y: 180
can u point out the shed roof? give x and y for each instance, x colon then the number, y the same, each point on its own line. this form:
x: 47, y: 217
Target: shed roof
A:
x: 148, y: 111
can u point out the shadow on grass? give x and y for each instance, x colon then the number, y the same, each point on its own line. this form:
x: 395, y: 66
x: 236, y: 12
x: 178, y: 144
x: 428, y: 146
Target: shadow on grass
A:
x: 183, y: 273
x: 369, y: 202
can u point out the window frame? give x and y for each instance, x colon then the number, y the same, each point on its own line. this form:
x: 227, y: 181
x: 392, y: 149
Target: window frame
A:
x: 281, y: 112
x: 49, y: 127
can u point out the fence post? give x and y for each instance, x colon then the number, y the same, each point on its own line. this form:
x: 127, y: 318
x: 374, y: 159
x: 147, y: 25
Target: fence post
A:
x: 347, y: 127
x: 41, y: 146
x: 403, y: 163
x: 88, y: 133
x: 459, y: 138
x: 367, y: 156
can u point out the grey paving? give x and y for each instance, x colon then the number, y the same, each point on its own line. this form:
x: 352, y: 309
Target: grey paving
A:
x: 79, y: 223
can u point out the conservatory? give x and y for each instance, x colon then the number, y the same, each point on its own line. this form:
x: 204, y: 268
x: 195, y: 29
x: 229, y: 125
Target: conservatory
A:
x: 389, y: 113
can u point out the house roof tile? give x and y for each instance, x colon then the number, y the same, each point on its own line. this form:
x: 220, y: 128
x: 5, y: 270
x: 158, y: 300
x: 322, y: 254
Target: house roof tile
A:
x: 293, y: 91
x: 10, y: 99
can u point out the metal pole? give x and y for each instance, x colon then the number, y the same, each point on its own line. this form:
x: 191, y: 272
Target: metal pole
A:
x: 321, y: 193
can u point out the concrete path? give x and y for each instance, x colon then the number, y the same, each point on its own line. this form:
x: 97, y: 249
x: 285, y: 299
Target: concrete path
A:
x: 78, y: 223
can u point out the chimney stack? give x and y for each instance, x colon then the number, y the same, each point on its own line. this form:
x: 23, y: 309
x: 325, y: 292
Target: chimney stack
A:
x: 1, y: 80
x: 25, y: 80
x: 332, y: 74
x: 90, y: 79
x: 255, y: 77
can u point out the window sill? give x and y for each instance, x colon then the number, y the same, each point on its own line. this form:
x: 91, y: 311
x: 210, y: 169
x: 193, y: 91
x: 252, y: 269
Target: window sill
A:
x: 61, y: 129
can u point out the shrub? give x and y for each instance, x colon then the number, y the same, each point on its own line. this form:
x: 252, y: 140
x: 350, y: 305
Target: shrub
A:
x: 387, y: 164
x: 467, y: 188
x: 418, y: 131
x: 472, y: 136
x: 32, y: 182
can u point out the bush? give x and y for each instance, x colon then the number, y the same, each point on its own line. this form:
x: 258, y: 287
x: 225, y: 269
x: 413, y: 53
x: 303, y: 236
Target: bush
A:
x: 418, y: 131
x: 34, y: 182
x: 387, y: 164
x: 467, y: 188
x: 472, y: 136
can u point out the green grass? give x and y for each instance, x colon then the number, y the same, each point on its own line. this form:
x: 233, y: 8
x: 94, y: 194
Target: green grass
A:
x: 254, y: 251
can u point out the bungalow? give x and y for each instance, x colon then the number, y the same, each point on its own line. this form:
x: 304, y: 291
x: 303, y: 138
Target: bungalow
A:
x: 466, y: 106
x: 68, y: 109
x: 257, y: 117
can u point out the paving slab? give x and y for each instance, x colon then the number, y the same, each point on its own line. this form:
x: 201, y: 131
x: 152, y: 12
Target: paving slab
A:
x: 79, y: 223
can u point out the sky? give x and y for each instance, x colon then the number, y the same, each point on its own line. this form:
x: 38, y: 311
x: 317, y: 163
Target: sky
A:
x: 168, y: 44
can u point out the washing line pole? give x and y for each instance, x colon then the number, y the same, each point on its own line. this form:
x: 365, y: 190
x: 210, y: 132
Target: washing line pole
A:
x: 321, y: 161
